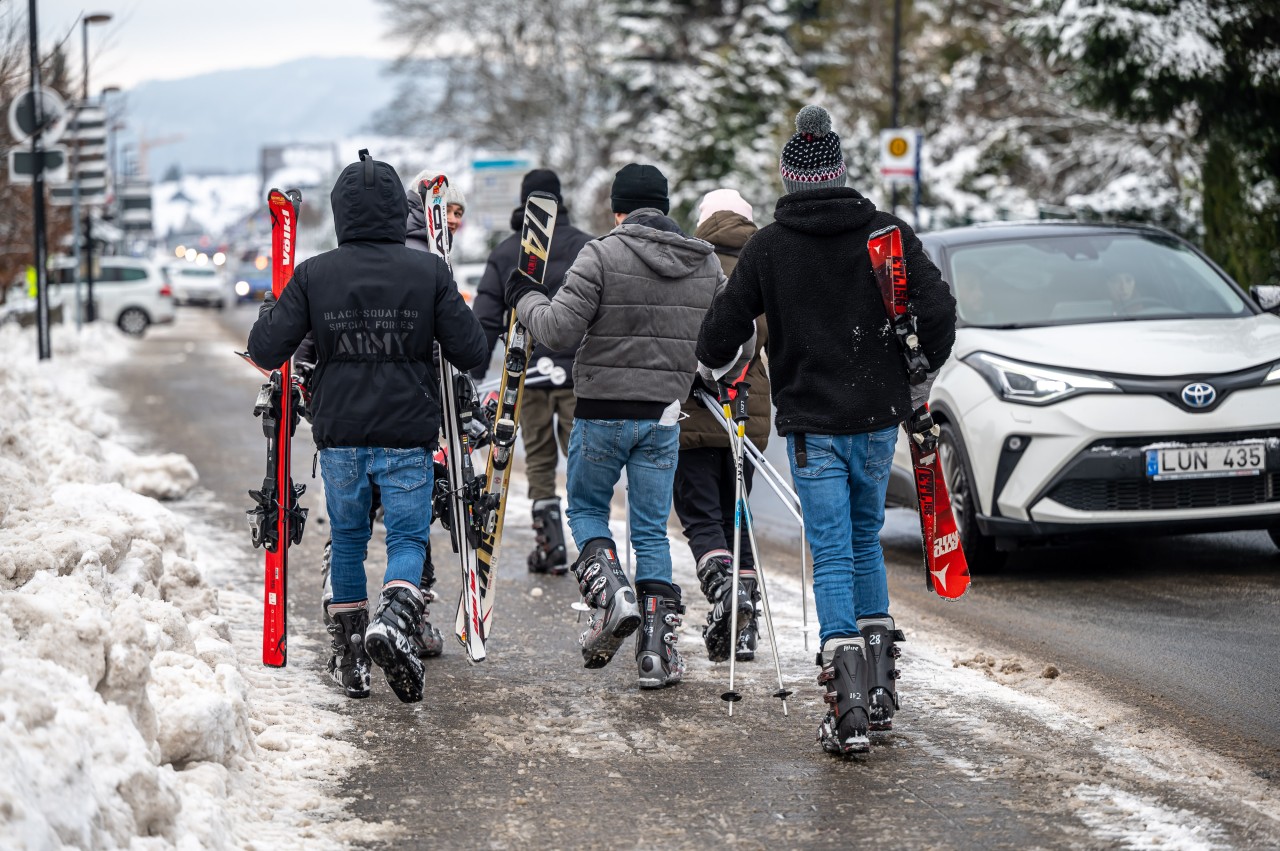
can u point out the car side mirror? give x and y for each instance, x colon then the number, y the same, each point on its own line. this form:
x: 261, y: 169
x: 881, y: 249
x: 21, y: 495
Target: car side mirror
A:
x: 1267, y: 297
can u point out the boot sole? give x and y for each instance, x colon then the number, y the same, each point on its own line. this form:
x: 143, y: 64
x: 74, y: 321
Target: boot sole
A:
x: 602, y: 651
x: 402, y: 668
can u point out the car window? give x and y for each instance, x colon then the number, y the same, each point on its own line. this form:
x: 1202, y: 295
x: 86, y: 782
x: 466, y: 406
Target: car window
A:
x: 1072, y: 279
x: 121, y: 274
x: 197, y: 273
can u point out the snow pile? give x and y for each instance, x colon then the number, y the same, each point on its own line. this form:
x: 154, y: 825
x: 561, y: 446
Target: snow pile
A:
x: 123, y: 710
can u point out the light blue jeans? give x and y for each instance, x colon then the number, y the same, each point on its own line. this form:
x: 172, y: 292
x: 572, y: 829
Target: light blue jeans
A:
x: 598, y: 452
x: 404, y: 477
x: 842, y: 490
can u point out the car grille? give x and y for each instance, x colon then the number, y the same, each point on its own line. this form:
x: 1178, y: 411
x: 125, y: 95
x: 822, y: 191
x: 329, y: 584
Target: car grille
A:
x: 1147, y: 495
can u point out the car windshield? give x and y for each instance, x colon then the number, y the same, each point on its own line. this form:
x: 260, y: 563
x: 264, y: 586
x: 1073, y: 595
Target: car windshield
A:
x: 1076, y: 279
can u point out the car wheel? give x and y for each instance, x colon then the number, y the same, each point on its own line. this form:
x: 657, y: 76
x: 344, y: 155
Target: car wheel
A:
x: 133, y: 321
x: 979, y: 549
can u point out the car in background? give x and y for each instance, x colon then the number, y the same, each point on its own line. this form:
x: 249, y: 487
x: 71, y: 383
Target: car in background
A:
x: 252, y: 275
x: 127, y: 291
x: 1105, y: 379
x: 197, y: 284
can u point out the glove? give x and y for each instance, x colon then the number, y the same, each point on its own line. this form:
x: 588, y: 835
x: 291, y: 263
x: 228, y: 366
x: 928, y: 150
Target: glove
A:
x: 518, y: 286
x: 920, y: 392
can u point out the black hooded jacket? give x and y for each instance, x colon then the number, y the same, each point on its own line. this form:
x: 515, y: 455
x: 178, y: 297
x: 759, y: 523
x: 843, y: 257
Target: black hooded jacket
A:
x: 835, y: 365
x: 490, y: 304
x: 376, y: 308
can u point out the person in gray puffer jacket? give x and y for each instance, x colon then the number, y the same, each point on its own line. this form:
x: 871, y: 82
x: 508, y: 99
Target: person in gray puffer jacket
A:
x: 635, y: 299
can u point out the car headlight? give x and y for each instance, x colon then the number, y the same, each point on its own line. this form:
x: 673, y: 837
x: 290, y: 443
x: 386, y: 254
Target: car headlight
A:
x: 242, y: 288
x: 1273, y: 377
x: 1028, y: 384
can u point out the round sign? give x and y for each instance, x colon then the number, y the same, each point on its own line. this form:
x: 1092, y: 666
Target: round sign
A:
x: 22, y: 114
x: 898, y: 146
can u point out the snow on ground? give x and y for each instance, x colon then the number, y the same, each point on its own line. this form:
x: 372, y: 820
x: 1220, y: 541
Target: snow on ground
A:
x: 132, y: 714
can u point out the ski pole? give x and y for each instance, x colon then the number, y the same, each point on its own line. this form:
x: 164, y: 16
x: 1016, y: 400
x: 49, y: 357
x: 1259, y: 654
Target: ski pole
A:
x: 788, y: 496
x: 782, y: 693
x: 734, y: 400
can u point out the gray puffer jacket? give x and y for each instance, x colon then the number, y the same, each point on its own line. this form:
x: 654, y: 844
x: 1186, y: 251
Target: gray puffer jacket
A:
x: 635, y: 298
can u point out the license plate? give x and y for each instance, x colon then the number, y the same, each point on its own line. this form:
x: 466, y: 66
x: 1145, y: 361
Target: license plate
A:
x: 1207, y: 461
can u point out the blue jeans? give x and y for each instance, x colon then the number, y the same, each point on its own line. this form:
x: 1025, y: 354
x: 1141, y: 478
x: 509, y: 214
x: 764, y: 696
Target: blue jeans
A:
x: 842, y: 491
x: 405, y: 477
x: 598, y: 451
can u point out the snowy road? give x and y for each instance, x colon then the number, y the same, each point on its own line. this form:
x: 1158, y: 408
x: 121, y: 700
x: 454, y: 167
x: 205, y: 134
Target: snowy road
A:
x: 1124, y: 749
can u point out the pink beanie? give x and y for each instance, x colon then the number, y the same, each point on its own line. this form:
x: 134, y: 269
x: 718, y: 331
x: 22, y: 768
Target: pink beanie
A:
x: 723, y: 199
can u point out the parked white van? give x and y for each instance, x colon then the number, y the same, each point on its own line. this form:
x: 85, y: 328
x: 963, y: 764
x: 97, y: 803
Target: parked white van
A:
x: 128, y: 291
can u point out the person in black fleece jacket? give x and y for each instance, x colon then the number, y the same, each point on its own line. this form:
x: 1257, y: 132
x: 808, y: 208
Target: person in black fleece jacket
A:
x: 840, y: 389
x: 376, y: 308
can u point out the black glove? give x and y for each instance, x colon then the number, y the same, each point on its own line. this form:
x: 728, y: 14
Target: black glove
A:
x: 519, y: 285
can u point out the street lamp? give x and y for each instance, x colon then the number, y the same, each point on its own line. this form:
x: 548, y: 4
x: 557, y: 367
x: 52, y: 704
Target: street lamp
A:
x: 85, y: 21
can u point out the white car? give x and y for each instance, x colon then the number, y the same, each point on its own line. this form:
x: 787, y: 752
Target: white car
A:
x: 1104, y: 380
x: 128, y: 292
x: 197, y: 284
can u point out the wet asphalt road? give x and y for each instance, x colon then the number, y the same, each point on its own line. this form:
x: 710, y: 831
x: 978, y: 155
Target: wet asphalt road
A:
x: 530, y: 749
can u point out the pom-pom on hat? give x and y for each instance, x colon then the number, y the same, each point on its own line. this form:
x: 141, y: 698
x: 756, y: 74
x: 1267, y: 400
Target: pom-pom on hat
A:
x: 723, y: 199
x: 812, y: 158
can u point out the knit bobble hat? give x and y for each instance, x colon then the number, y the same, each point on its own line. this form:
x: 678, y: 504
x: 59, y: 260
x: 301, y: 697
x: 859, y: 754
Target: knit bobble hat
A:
x: 541, y: 180
x: 812, y: 158
x: 723, y: 199
x: 452, y: 195
x: 637, y: 186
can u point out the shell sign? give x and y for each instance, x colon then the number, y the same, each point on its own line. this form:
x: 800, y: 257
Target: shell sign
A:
x: 900, y: 154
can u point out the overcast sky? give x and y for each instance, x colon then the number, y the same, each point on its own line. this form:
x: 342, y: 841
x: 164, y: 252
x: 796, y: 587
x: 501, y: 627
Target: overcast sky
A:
x: 168, y: 39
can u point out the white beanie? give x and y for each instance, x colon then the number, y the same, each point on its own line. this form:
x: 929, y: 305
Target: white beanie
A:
x: 723, y: 199
x: 452, y: 195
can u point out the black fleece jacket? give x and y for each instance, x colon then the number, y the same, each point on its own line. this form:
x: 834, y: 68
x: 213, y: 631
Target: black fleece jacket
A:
x: 835, y: 365
x: 490, y: 302
x: 377, y: 308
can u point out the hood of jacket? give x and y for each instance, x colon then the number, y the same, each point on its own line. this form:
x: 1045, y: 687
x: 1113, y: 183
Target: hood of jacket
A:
x: 824, y: 212
x: 369, y: 204
x: 660, y: 244
x: 726, y: 229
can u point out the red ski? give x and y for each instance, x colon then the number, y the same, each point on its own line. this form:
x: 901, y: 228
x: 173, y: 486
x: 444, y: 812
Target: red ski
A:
x: 946, y: 570
x: 276, y: 521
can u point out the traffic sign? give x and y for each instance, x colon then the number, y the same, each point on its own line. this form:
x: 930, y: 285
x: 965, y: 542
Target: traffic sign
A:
x: 22, y: 114
x: 900, y: 155
x: 22, y: 165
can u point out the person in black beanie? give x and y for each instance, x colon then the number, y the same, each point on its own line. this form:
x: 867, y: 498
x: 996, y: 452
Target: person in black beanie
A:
x: 841, y: 391
x: 546, y: 407
x: 633, y: 299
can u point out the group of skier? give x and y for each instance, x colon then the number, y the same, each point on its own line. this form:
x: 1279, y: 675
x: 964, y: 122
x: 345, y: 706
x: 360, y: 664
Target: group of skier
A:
x: 627, y: 326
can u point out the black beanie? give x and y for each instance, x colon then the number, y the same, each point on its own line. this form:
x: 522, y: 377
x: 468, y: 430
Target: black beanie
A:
x: 636, y: 186
x: 541, y: 180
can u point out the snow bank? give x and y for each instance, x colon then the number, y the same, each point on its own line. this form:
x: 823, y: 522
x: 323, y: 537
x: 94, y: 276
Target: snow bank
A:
x: 125, y: 717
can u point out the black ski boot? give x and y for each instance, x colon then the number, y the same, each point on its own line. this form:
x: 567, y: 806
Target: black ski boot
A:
x: 390, y: 644
x: 349, y: 664
x: 428, y: 643
x: 549, y: 554
x: 715, y: 573
x: 882, y: 668
x: 604, y: 588
x: 657, y: 658
x: 749, y: 638
x: 844, y: 673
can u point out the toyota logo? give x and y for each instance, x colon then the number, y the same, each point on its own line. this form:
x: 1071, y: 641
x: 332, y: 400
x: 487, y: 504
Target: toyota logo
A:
x: 1199, y: 395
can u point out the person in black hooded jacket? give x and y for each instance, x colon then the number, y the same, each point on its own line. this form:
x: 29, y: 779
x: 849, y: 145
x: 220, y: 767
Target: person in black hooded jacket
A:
x: 840, y: 389
x: 376, y: 309
x: 547, y: 406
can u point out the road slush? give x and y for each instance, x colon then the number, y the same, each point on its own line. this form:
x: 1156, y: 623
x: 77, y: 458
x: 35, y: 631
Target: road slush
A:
x: 946, y: 572
x: 276, y: 521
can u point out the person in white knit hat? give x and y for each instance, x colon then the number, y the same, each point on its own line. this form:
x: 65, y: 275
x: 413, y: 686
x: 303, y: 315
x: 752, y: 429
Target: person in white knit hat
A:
x: 455, y: 207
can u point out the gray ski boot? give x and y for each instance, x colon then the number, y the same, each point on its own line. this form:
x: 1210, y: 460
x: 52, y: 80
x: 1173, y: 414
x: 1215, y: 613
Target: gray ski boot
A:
x: 844, y: 673
x: 549, y: 554
x: 349, y: 663
x: 604, y: 588
x: 882, y: 652
x: 715, y: 574
x: 657, y: 657
x: 390, y: 644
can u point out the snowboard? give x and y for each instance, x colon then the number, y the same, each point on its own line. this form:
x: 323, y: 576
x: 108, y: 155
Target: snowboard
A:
x: 946, y: 569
